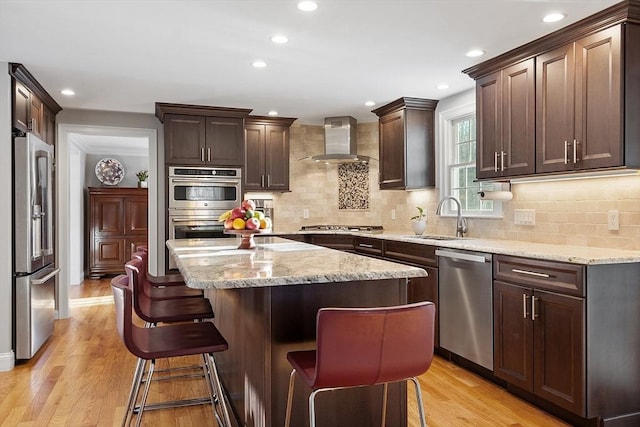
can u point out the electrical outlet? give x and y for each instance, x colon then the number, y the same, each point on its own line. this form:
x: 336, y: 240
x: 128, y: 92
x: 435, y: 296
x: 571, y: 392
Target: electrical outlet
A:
x: 305, y: 213
x: 393, y: 214
x: 613, y: 220
x: 524, y: 216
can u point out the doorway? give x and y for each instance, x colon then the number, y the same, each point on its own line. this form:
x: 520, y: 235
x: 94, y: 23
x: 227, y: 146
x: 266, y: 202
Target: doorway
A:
x: 74, y: 142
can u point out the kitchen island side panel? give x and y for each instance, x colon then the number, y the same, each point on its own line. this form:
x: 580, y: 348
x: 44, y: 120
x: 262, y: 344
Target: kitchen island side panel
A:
x: 613, y: 342
x: 263, y: 324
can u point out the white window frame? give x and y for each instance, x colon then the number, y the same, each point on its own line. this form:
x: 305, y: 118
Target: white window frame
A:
x: 447, y: 156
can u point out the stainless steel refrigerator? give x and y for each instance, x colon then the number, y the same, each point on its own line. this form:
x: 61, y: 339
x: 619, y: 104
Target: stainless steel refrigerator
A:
x: 33, y: 252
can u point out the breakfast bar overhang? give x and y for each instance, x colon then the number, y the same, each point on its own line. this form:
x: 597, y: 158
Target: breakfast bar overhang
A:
x: 265, y: 303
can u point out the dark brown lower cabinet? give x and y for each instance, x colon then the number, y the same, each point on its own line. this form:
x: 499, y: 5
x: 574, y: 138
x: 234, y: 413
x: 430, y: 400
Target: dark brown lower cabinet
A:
x: 539, y: 343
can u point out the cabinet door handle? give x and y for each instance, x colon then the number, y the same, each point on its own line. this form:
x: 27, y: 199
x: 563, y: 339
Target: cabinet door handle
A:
x: 566, y: 152
x: 202, y: 154
x: 262, y: 181
x: 524, y: 305
x: 533, y: 308
x: 495, y: 161
x: 268, y: 181
x: 575, y: 151
x: 364, y: 245
x: 502, y: 153
x: 530, y: 273
x: 208, y: 154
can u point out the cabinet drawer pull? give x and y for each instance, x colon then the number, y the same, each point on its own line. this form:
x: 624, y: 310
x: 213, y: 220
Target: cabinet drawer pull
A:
x: 364, y: 245
x: 530, y: 273
x: 524, y: 305
x: 533, y: 308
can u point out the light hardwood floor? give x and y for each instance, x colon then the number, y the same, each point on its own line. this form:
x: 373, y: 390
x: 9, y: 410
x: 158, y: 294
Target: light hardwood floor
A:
x: 81, y: 377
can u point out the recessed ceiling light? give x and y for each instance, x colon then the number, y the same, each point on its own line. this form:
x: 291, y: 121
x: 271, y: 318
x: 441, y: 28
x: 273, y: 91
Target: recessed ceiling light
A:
x: 67, y: 92
x: 442, y: 86
x: 273, y: 113
x: 307, y: 6
x: 369, y: 103
x: 279, y: 39
x: 554, y: 17
x: 259, y: 64
x: 475, y: 53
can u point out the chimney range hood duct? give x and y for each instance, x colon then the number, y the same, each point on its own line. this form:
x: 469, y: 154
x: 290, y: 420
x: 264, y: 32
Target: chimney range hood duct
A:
x: 340, y: 142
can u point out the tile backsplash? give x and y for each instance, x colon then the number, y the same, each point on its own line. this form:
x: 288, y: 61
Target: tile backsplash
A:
x: 570, y: 212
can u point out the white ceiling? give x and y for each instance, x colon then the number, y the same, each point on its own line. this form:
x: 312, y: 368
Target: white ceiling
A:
x: 125, y: 55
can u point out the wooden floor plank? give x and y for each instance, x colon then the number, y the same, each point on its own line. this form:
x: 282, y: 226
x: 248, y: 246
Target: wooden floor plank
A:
x: 82, y: 376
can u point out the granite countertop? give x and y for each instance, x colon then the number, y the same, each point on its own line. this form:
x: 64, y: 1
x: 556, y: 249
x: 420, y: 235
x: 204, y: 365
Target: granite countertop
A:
x: 550, y: 252
x: 217, y: 263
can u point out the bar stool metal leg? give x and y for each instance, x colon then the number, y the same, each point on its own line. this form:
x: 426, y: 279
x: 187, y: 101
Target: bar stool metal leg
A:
x: 145, y: 392
x: 292, y: 380
x: 135, y: 390
x: 423, y: 421
x: 384, y: 403
x: 218, y: 390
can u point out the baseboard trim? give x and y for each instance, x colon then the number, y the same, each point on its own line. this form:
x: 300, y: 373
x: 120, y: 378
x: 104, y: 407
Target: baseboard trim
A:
x: 7, y: 361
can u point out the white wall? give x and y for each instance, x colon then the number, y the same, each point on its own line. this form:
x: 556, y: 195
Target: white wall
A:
x: 6, y: 279
x: 77, y: 158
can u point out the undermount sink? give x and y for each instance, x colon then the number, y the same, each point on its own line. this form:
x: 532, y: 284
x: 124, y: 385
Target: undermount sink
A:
x: 429, y: 237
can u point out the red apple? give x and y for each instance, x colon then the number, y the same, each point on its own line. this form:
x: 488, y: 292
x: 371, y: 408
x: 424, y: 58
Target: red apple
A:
x: 252, y: 224
x: 237, y: 213
x: 248, y: 204
x: 228, y: 224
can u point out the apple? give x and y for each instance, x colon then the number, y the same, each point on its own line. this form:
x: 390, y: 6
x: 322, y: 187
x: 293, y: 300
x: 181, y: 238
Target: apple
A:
x: 228, y: 224
x: 252, y: 224
x: 237, y: 213
x: 248, y: 204
x: 250, y: 213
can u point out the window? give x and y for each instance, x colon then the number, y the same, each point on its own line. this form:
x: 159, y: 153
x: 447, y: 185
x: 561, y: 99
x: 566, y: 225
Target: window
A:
x: 458, y: 161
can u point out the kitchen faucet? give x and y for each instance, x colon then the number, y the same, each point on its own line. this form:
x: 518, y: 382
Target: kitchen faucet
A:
x: 461, y: 225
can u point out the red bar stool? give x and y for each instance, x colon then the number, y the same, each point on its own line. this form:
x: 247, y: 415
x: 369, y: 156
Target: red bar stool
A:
x: 366, y: 346
x: 150, y: 344
x: 163, y: 287
x: 163, y: 311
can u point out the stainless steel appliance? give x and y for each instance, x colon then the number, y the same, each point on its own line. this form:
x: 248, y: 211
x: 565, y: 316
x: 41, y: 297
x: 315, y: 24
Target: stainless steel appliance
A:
x: 197, y: 197
x: 204, y: 188
x: 33, y: 251
x: 465, y: 304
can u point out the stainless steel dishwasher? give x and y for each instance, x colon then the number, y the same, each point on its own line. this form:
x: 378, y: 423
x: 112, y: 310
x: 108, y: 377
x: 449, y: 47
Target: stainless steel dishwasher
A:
x: 465, y: 304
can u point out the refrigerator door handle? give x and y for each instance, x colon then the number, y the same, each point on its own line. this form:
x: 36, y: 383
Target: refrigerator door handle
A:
x: 46, y: 278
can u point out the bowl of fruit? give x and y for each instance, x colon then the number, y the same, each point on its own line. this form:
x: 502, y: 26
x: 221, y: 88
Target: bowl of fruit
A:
x: 245, y: 221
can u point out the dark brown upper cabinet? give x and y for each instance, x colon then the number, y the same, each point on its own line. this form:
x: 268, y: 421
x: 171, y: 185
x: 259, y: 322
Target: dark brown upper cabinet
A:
x: 199, y: 135
x: 406, y: 135
x: 505, y: 113
x: 587, y: 95
x: 578, y: 92
x: 266, y: 165
x: 33, y: 109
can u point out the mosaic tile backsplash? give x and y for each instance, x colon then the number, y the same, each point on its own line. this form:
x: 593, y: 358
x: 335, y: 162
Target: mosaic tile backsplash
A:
x: 353, y: 186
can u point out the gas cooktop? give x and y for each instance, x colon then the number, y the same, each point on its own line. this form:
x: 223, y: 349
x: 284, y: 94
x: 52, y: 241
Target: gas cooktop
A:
x: 361, y: 228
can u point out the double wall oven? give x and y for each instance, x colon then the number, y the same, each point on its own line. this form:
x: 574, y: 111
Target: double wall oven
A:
x: 197, y: 197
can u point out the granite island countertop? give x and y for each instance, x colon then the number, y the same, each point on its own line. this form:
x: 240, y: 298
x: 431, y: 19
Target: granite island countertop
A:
x: 583, y: 255
x: 218, y: 263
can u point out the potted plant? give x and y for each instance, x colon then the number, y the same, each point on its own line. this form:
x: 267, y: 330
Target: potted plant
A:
x: 142, y: 178
x: 419, y: 222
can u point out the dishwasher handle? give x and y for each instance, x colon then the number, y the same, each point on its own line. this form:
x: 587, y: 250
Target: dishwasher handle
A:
x: 461, y: 256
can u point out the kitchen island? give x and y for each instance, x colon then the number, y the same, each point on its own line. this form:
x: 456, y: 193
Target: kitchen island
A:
x: 265, y: 302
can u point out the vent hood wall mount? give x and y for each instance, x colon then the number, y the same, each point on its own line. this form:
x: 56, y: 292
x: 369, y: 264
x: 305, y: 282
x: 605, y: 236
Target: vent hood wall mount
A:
x: 340, y: 142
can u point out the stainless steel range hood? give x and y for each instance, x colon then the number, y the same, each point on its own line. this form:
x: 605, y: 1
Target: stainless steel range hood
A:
x: 340, y: 142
